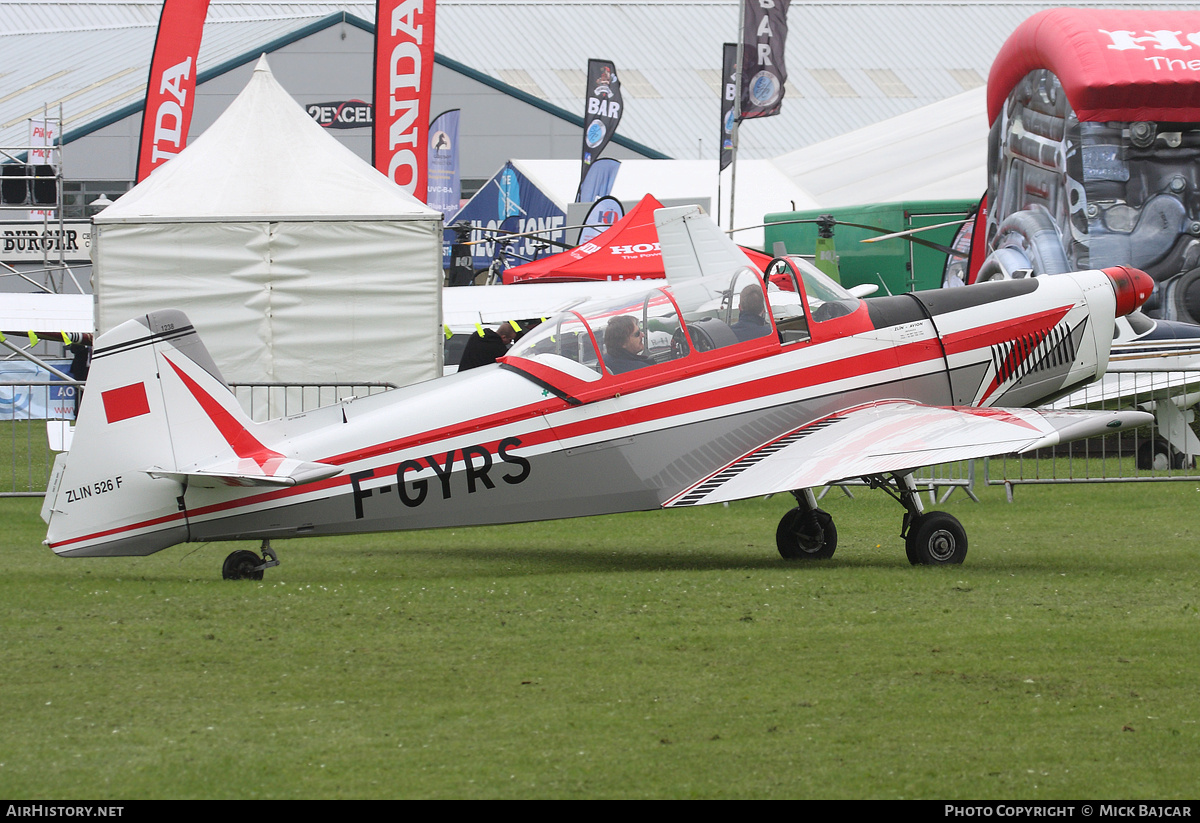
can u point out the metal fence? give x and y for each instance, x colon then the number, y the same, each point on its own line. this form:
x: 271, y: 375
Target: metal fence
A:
x: 267, y: 401
x: 1165, y: 451
x: 35, y: 418
x: 33, y: 421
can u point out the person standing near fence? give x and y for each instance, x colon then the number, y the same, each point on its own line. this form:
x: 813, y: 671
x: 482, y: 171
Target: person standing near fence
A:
x: 80, y: 349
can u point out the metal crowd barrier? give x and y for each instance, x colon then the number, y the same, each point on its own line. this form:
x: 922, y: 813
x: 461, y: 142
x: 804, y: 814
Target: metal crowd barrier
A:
x: 35, y: 418
x: 267, y: 401
x: 938, y: 481
x: 1166, y: 451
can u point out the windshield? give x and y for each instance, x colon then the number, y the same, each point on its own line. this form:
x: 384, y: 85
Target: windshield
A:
x: 825, y: 298
x: 661, y: 325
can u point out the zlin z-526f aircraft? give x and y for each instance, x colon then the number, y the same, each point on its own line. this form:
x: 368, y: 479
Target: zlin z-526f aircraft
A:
x: 717, y: 387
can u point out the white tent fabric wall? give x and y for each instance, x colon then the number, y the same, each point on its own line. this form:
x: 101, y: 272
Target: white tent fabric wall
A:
x: 937, y: 152
x: 762, y: 187
x: 296, y: 261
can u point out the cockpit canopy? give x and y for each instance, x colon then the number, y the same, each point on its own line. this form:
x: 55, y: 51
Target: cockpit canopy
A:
x: 670, y: 323
x: 657, y: 326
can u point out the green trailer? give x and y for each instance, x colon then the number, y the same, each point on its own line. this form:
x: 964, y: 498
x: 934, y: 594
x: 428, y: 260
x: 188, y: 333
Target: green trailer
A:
x: 895, y: 264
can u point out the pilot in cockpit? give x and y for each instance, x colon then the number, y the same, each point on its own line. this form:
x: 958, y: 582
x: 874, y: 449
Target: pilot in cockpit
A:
x: 752, y: 314
x: 624, y: 345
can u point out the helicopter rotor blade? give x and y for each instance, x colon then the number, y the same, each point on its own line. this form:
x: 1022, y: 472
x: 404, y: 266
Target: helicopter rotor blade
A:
x: 908, y: 232
x: 887, y: 233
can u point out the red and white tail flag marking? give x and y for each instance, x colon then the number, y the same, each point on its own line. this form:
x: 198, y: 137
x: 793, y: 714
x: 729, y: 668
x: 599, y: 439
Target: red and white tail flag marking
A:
x: 125, y: 402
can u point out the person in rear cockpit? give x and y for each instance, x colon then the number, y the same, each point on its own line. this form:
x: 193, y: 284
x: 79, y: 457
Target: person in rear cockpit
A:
x: 624, y: 344
x: 752, y: 314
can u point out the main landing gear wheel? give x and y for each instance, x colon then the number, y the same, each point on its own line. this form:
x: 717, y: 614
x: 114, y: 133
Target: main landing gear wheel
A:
x: 246, y: 565
x: 935, y: 539
x: 806, y: 534
x: 1160, y: 455
x: 242, y: 565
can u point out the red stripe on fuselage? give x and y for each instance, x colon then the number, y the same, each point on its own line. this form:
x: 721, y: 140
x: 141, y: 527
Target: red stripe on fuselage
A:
x: 791, y: 380
x: 118, y: 530
x: 702, y: 400
x: 1004, y: 331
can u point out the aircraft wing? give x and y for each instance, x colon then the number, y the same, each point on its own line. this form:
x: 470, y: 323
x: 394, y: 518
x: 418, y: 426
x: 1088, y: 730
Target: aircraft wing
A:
x: 47, y: 312
x: 465, y: 306
x: 892, y: 436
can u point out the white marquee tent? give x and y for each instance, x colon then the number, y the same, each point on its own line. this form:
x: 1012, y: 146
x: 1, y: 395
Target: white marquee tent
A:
x: 761, y: 185
x: 937, y: 152
x: 295, y: 260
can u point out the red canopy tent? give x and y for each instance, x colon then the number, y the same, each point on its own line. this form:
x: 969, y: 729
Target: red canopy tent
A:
x: 626, y: 251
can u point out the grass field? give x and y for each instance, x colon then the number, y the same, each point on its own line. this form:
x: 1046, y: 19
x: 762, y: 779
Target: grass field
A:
x: 669, y: 654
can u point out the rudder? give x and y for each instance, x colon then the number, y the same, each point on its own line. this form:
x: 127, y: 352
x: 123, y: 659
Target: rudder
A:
x: 105, y: 499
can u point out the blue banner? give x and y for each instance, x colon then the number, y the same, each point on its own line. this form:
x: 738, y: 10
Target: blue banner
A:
x: 24, y: 402
x: 445, y: 183
x: 599, y: 180
x: 510, y: 203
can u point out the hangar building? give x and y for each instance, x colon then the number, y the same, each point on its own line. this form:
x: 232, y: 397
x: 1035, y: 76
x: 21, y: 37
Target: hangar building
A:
x: 515, y: 68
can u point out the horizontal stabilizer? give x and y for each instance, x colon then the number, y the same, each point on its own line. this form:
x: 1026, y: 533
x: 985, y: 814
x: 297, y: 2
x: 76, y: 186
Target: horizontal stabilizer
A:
x: 247, y: 472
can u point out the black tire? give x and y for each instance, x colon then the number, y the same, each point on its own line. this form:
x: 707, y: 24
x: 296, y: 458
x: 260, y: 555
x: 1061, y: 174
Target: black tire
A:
x: 909, y: 547
x: 1186, y: 293
x: 242, y: 565
x: 936, y: 539
x: 1159, y: 455
x: 801, y: 536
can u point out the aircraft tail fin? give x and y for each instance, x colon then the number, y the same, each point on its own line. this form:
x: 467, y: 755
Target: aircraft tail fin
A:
x: 156, y: 417
x: 694, y: 246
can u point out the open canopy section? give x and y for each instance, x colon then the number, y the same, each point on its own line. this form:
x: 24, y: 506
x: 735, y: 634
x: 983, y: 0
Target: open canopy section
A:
x: 660, y: 335
x: 628, y: 250
x: 650, y: 328
x: 1120, y: 65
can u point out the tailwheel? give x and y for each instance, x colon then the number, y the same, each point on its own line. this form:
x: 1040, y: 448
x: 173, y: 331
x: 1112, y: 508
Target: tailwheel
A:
x: 807, y: 534
x: 935, y: 539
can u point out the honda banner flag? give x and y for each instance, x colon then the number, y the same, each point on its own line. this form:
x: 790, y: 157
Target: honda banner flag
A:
x: 764, y: 70
x: 403, y: 79
x: 445, y: 182
x: 728, y: 94
x: 602, y: 112
x: 171, y: 87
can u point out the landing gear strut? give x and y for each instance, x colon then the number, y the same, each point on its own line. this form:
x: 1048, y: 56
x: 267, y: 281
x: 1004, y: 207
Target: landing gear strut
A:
x: 806, y: 532
x: 930, y: 538
x: 246, y: 565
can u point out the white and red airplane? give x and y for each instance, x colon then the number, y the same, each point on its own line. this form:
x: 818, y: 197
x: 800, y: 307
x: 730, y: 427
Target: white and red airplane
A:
x: 678, y: 395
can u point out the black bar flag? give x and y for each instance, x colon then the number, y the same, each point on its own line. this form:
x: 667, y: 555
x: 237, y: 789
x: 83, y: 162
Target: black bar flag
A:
x: 728, y: 93
x: 764, y: 70
x: 602, y: 111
